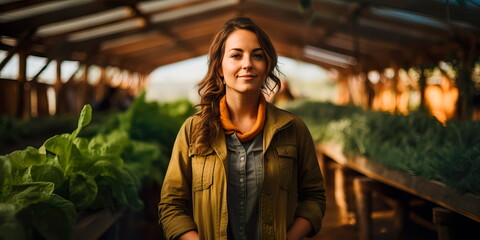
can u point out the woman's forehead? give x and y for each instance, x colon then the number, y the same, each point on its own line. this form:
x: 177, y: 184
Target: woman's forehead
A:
x: 242, y: 39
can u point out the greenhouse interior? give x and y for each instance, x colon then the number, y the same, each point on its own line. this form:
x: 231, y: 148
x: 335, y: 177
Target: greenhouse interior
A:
x: 93, y: 94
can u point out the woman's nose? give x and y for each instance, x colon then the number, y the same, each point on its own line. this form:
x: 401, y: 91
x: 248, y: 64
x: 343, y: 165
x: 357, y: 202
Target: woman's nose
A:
x: 247, y: 63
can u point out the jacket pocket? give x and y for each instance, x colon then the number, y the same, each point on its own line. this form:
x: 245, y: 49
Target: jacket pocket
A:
x: 202, y: 172
x: 287, y: 156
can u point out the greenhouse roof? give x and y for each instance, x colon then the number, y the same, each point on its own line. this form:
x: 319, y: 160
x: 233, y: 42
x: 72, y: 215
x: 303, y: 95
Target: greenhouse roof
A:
x: 141, y: 35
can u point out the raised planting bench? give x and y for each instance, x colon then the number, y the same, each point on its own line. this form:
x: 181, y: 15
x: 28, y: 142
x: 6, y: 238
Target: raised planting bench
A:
x: 451, y: 203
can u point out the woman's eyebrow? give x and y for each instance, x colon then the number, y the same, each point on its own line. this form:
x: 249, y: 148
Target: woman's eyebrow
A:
x: 236, y: 49
x: 241, y: 50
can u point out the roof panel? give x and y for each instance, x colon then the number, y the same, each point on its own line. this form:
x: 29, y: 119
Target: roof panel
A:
x: 154, y: 6
x: 108, y: 29
x: 190, y: 10
x: 86, y: 21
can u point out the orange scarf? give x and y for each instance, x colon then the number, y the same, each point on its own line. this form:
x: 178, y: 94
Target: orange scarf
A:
x: 230, y: 128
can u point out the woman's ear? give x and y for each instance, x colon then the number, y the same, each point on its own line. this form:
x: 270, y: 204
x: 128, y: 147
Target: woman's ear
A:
x: 220, y: 72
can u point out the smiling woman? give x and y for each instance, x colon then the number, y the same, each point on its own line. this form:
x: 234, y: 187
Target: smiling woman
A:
x: 243, y: 65
x: 242, y: 168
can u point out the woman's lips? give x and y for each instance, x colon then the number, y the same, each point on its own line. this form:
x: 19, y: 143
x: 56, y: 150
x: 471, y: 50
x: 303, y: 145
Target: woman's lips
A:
x: 247, y: 76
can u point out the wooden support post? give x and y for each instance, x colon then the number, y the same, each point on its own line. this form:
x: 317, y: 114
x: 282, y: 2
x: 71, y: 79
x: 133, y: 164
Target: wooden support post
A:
x: 83, y: 94
x: 341, y: 193
x: 422, y: 81
x: 399, y: 203
x: 42, y: 89
x: 362, y: 187
x: 59, y: 96
x: 400, y: 209
x: 444, y: 221
x: 24, y: 97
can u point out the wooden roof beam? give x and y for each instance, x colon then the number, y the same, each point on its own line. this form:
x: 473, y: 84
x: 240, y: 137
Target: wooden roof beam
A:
x: 47, y: 62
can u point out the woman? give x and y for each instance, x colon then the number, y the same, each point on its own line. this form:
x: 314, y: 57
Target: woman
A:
x: 242, y: 168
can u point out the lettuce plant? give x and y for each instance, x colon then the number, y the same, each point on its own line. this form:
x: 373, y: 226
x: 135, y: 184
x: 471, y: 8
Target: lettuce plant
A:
x: 43, y: 189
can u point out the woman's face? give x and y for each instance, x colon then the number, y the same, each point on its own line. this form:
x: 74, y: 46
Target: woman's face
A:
x: 243, y: 64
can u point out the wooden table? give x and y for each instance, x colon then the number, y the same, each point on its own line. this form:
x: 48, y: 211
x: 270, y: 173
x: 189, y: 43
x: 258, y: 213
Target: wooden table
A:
x: 465, y: 204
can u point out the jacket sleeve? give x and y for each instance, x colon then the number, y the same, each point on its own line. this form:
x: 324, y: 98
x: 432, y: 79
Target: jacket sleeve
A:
x: 175, y: 207
x: 311, y: 189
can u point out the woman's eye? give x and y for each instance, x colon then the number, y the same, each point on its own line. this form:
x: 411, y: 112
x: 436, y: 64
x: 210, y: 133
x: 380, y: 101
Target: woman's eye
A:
x: 258, y: 56
x: 235, y: 56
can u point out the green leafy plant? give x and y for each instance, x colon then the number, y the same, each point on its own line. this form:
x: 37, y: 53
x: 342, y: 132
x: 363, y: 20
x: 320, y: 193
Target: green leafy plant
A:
x: 416, y: 143
x: 45, y: 188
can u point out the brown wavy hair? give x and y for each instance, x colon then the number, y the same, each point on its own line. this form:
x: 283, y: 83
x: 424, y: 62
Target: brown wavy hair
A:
x: 211, y: 89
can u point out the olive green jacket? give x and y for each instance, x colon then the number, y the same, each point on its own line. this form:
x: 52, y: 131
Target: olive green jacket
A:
x: 194, y: 192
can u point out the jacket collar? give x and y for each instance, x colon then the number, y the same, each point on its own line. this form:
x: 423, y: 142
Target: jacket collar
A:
x: 275, y: 120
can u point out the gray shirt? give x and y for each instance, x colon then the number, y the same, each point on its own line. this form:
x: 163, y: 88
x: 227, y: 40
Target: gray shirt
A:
x: 245, y: 178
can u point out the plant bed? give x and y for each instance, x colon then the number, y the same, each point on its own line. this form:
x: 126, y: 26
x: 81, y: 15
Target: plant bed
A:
x: 93, y: 225
x: 416, y: 144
